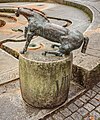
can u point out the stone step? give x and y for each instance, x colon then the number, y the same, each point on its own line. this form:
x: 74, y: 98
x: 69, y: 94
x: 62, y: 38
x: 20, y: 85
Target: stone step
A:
x: 8, y: 67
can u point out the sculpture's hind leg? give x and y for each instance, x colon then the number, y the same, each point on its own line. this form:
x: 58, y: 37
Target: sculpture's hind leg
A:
x: 84, y: 47
x: 25, y: 31
x: 57, y: 53
x: 28, y: 39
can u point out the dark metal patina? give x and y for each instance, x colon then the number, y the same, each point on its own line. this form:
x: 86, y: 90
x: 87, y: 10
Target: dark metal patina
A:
x: 39, y: 25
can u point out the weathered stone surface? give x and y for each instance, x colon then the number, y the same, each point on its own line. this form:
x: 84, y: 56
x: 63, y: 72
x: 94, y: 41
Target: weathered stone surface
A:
x: 79, y: 103
x: 96, y: 89
x: 76, y: 116
x: 88, y: 110
x: 10, y: 98
x: 89, y: 107
x: 98, y: 84
x: 94, y: 102
x: 58, y: 116
x: 13, y: 107
x: 95, y: 114
x: 72, y: 107
x: 98, y: 109
x: 45, y: 83
x: 8, y: 67
x: 91, y: 93
x: 84, y: 98
x: 69, y: 118
x: 66, y: 112
x: 88, y: 76
x: 83, y: 111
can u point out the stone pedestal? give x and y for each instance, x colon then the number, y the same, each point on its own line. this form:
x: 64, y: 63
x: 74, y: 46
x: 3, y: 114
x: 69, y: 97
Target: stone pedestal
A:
x: 45, y: 83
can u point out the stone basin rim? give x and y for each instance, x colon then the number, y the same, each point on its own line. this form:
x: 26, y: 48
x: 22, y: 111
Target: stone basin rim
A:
x: 8, y: 16
x: 68, y: 57
x: 84, y: 8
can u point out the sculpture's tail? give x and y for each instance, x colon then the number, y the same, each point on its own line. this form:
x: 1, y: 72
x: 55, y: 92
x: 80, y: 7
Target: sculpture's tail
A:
x: 84, y: 47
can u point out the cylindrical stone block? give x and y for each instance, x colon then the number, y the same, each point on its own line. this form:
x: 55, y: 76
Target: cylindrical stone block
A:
x: 45, y: 84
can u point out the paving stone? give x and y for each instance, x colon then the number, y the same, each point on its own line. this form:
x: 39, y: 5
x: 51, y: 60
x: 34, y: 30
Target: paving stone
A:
x: 87, y: 118
x: 84, y: 98
x: 98, y: 109
x: 89, y: 107
x: 49, y: 118
x: 8, y: 67
x: 76, y: 116
x: 98, y: 84
x: 79, y: 103
x: 66, y: 112
x: 97, y: 97
x: 91, y: 93
x: 58, y: 116
x: 95, y: 114
x: 72, y: 107
x: 83, y: 112
x: 69, y: 118
x: 96, y: 89
x: 12, y: 107
x: 94, y: 102
x: 6, y: 88
x: 45, y: 111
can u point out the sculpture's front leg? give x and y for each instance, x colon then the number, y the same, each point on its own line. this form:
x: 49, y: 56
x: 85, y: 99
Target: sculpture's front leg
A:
x: 25, y: 31
x: 55, y: 45
x: 57, y: 53
x: 28, y: 39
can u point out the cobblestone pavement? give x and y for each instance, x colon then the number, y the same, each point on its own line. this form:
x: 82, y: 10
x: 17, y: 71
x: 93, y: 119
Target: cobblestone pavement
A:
x: 87, y: 107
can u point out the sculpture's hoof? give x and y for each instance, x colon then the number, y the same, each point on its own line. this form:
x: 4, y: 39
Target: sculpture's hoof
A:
x: 52, y: 46
x: 44, y: 53
x: 59, y: 54
x: 22, y: 52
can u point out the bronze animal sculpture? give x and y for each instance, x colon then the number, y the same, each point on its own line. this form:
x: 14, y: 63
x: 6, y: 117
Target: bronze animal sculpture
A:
x: 39, y: 25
